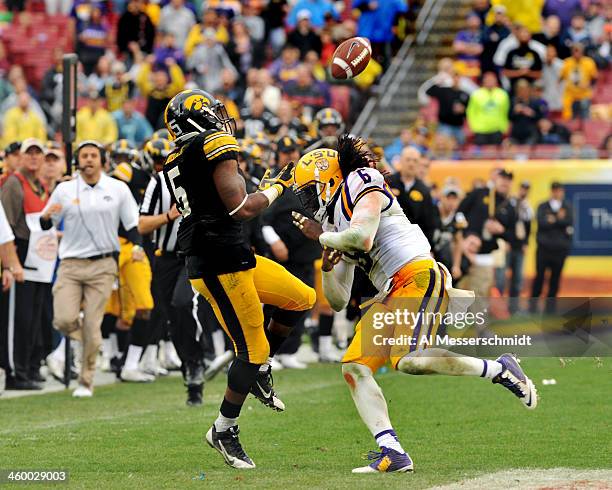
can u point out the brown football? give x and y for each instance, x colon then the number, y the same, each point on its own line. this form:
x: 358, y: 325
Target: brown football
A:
x: 351, y: 58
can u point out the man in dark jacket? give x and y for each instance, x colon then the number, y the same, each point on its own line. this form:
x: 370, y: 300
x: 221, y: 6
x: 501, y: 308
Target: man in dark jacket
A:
x: 490, y: 215
x: 135, y: 26
x: 555, y: 229
x: 412, y: 194
x: 452, y: 102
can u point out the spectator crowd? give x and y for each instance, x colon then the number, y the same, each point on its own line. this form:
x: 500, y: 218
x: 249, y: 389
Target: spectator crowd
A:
x: 524, y: 77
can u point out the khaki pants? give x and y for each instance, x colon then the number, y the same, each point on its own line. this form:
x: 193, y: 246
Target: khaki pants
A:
x: 478, y: 279
x: 85, y: 285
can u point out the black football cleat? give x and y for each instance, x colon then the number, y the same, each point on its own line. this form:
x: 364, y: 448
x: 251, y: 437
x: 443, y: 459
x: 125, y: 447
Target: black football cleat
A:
x: 228, y: 444
x: 263, y: 390
x: 194, y: 395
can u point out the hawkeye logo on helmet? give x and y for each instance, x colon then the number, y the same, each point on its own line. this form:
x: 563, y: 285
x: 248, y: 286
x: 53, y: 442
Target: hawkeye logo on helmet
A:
x: 196, y: 102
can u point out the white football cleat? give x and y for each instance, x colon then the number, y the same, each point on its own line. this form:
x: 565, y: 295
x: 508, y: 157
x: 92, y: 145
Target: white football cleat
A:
x: 328, y: 351
x: 217, y: 364
x: 276, y: 365
x: 82, y: 391
x: 171, y: 360
x: 290, y: 361
x: 136, y: 376
x: 55, y: 367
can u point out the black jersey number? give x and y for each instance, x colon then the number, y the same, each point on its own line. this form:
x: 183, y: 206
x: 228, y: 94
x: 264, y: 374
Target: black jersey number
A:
x: 179, y: 193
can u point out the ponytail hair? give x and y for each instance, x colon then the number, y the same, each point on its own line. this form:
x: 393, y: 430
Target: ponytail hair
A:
x: 353, y: 154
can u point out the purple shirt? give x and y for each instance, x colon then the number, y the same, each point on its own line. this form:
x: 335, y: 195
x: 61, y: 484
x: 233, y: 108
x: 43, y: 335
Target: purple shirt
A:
x: 471, y: 38
x: 564, y: 9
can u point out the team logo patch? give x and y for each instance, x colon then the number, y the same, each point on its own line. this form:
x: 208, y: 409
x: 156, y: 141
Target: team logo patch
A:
x: 196, y: 102
x: 415, y: 195
x: 322, y: 164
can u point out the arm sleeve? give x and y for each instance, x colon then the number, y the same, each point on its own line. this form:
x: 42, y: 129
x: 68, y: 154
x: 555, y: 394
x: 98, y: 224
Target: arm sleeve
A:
x: 359, y: 236
x: 337, y: 285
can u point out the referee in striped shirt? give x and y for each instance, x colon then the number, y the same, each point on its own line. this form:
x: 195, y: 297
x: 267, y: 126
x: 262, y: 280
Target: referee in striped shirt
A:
x: 172, y: 293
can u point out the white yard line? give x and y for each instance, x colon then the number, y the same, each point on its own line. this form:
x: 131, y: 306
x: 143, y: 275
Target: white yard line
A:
x: 537, y: 479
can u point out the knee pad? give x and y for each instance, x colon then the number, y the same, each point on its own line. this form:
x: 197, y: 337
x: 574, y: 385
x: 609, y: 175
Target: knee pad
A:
x: 287, y: 317
x: 241, y: 376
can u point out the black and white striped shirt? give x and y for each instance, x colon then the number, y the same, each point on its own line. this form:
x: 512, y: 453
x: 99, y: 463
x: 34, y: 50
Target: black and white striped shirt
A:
x: 157, y: 200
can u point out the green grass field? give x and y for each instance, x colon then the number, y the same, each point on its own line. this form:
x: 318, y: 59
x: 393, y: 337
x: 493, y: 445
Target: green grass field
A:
x: 143, y: 436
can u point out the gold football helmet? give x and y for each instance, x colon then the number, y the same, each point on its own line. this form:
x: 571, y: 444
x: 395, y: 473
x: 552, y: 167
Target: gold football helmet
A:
x: 317, y: 180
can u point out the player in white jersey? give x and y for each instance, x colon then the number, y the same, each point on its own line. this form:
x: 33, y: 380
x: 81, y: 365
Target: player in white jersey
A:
x: 363, y: 225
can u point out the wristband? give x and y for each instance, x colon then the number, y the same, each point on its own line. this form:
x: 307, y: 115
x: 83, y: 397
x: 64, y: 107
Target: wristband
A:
x: 273, y: 192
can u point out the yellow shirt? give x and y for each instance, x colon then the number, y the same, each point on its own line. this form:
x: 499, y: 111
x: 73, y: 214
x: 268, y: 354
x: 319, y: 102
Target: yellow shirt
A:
x: 153, y: 11
x: 368, y: 76
x: 195, y: 37
x: 19, y: 125
x: 526, y: 12
x: 578, y: 76
x: 99, y: 126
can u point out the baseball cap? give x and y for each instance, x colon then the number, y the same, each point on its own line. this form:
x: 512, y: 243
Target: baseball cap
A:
x: 304, y: 14
x: 526, y: 184
x: 54, y: 148
x: 32, y: 143
x: 499, y: 9
x: 506, y: 174
x: 286, y: 144
x: 12, y: 147
x: 556, y: 185
x: 451, y: 189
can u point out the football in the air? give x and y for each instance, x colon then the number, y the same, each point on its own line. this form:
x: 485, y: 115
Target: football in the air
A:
x: 351, y: 58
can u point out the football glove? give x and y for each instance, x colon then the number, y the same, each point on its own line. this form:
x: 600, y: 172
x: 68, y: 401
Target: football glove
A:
x: 283, y: 179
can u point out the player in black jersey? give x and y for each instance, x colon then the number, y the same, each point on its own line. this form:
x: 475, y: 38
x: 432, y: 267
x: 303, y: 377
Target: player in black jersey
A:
x: 203, y: 176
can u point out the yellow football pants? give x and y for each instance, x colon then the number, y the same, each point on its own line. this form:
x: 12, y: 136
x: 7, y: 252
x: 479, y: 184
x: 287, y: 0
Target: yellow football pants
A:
x: 134, y: 291
x: 237, y: 297
x: 417, y: 287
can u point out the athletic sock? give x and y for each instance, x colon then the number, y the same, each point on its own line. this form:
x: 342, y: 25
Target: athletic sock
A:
x: 114, y: 344
x: 388, y: 438
x: 60, y: 351
x: 228, y: 415
x: 326, y: 323
x: 491, y: 369
x: 132, y: 358
x: 107, y: 348
x: 325, y: 343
